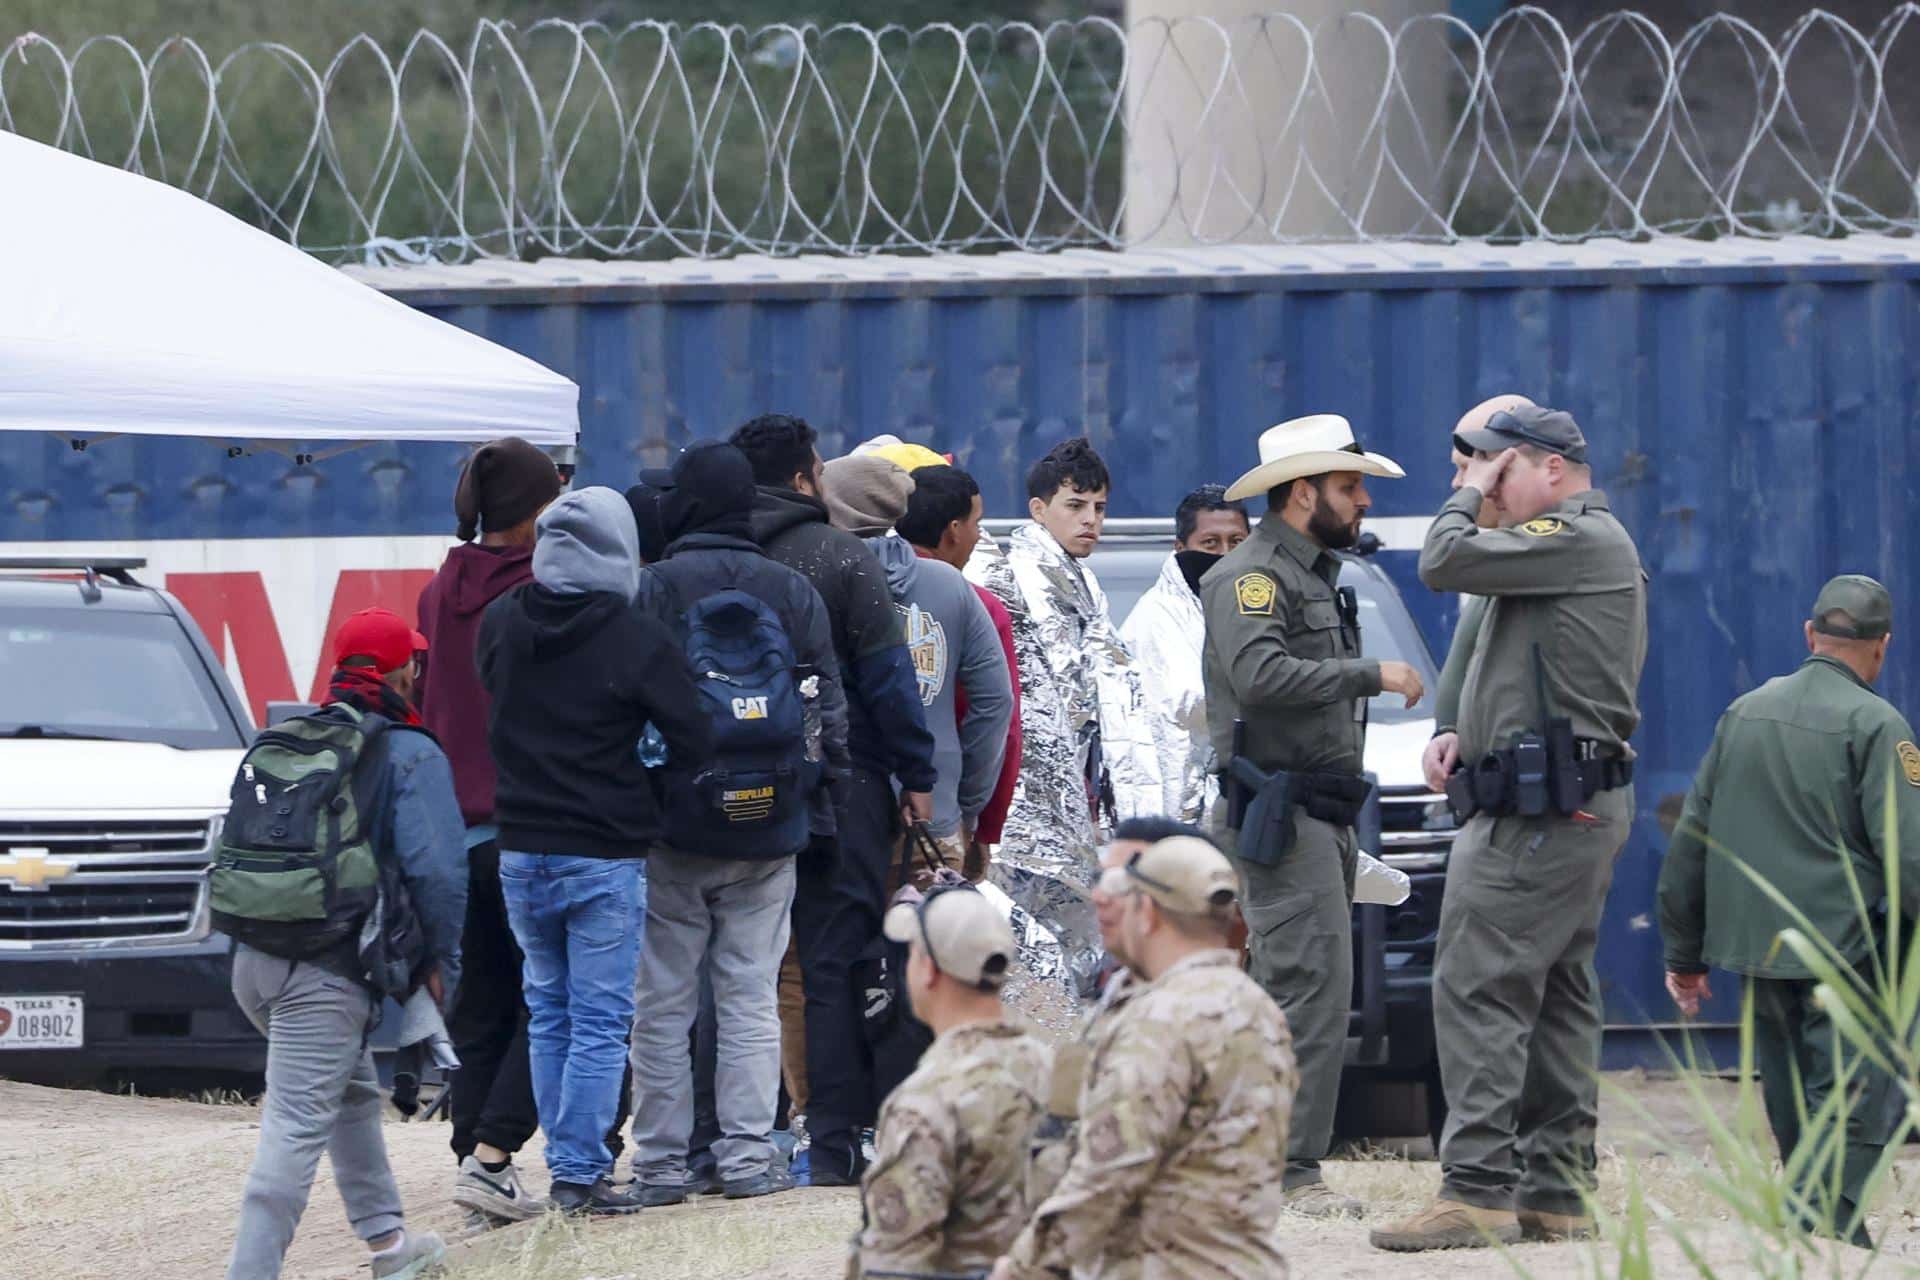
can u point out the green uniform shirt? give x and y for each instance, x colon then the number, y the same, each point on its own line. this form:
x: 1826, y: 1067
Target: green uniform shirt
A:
x: 1278, y: 657
x: 1568, y: 582
x: 1466, y: 634
x: 1809, y: 774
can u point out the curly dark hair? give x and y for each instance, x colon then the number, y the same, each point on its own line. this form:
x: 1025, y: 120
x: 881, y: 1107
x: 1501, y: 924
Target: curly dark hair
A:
x: 780, y: 447
x: 1069, y: 463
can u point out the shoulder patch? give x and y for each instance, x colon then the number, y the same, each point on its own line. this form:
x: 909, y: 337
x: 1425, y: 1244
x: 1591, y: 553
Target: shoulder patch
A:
x: 1255, y: 593
x: 1544, y: 527
x: 1909, y: 762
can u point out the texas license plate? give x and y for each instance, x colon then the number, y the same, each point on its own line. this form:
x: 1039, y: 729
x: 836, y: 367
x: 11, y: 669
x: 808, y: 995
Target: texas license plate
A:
x: 41, y: 1022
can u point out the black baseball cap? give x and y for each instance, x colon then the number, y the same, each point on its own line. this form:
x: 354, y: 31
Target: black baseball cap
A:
x: 1551, y: 429
x: 1864, y: 605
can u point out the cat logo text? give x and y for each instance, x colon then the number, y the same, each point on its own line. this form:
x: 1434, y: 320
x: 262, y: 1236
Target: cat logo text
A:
x: 753, y: 708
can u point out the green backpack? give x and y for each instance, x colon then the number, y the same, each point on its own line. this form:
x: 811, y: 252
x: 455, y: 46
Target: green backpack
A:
x: 295, y: 874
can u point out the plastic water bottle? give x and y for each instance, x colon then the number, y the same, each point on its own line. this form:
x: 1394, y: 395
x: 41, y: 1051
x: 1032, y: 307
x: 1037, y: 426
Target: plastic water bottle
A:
x: 653, y: 748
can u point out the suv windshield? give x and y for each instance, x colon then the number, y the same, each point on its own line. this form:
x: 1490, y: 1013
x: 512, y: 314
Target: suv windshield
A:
x: 99, y: 673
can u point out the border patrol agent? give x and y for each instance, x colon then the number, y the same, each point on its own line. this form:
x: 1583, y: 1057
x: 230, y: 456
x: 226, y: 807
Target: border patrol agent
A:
x: 1807, y: 778
x: 1287, y: 692
x: 946, y: 1191
x: 1545, y: 788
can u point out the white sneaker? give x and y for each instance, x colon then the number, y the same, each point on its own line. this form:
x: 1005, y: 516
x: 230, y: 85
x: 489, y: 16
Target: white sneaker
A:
x: 416, y: 1256
x: 498, y: 1195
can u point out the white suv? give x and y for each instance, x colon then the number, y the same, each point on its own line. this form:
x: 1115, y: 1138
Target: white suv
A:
x: 119, y: 736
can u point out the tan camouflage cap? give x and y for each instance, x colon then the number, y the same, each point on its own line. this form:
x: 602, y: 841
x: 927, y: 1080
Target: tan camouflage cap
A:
x: 964, y: 935
x: 1182, y: 873
x: 1867, y: 608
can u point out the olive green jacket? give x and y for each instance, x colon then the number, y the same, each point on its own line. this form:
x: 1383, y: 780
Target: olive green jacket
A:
x: 1809, y: 775
x: 1279, y: 656
x: 1566, y: 585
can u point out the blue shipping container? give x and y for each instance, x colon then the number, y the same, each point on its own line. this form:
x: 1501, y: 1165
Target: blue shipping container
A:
x: 1751, y: 408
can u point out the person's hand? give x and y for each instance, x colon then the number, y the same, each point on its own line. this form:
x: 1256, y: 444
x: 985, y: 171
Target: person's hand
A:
x: 437, y: 987
x: 1002, y: 1270
x: 1398, y: 677
x: 1485, y: 474
x: 1688, y: 990
x: 1438, y: 760
x: 916, y: 806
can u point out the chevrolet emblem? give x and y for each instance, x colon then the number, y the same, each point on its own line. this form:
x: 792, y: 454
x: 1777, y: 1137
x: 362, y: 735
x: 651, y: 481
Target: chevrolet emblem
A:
x: 31, y: 870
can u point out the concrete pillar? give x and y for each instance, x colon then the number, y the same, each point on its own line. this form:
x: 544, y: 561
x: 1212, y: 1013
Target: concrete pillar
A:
x: 1234, y: 139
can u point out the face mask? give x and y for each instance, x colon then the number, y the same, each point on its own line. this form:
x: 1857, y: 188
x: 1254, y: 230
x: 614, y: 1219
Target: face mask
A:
x: 1194, y: 565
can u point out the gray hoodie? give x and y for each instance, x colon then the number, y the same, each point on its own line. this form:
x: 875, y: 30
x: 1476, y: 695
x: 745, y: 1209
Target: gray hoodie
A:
x: 951, y: 639
x: 586, y: 542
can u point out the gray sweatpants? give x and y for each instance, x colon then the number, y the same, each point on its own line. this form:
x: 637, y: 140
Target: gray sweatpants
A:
x: 322, y: 1094
x: 735, y: 915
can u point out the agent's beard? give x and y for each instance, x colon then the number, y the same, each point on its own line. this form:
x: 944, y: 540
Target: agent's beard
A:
x: 1331, y: 532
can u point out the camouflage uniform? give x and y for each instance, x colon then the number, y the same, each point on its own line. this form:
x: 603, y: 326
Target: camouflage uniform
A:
x: 1053, y: 1137
x: 1183, y: 1137
x: 947, y: 1188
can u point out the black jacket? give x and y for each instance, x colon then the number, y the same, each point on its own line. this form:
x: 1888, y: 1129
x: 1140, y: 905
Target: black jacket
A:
x: 886, y: 722
x: 700, y: 564
x: 574, y: 680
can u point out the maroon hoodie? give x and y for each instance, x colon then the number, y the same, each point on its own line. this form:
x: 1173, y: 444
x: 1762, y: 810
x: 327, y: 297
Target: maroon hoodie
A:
x: 452, y: 702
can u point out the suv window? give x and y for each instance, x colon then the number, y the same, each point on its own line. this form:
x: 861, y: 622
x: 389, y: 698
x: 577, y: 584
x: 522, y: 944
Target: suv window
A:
x: 107, y: 674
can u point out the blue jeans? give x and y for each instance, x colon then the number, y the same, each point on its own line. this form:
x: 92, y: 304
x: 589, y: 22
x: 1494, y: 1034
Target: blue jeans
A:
x: 578, y: 922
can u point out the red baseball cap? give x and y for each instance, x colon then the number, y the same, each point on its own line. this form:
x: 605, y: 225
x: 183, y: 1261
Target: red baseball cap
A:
x: 380, y: 634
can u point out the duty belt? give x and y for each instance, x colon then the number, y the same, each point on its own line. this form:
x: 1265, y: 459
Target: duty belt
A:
x: 1261, y: 803
x: 1503, y: 782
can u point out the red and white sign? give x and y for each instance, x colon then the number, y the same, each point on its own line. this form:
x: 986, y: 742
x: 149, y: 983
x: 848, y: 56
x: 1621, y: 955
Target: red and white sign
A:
x: 267, y: 605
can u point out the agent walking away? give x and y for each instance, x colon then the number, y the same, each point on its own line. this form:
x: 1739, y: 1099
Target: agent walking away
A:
x: 505, y: 484
x: 300, y: 972
x: 577, y: 674
x: 1812, y: 782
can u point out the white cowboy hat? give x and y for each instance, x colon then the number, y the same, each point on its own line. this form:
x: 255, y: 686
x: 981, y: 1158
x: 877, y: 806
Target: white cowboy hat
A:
x: 1309, y: 446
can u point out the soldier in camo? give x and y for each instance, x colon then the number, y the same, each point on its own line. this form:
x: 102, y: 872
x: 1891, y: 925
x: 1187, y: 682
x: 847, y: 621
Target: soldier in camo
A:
x: 1177, y: 1166
x: 1053, y: 1137
x: 947, y: 1187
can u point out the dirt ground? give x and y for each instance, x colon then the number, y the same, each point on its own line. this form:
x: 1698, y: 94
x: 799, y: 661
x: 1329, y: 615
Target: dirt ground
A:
x: 95, y: 1185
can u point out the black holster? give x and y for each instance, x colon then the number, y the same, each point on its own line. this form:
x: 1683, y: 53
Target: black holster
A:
x: 1260, y: 808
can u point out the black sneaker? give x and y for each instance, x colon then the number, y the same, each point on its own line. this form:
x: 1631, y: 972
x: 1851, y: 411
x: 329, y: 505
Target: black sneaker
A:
x: 831, y: 1173
x: 601, y: 1200
x: 658, y: 1195
x: 776, y: 1179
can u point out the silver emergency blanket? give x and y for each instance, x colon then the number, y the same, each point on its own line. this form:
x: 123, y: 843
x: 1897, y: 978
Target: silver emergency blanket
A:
x: 1166, y: 633
x: 1376, y: 882
x: 1077, y: 685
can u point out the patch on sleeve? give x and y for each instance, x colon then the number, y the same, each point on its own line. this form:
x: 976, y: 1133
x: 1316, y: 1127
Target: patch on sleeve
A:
x: 1909, y: 762
x: 1255, y: 592
x: 1544, y: 527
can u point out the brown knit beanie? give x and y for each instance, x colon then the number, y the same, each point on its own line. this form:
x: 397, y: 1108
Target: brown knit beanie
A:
x: 866, y: 494
x: 504, y: 483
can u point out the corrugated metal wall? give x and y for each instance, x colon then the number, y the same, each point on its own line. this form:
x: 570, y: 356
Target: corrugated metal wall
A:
x: 1751, y: 412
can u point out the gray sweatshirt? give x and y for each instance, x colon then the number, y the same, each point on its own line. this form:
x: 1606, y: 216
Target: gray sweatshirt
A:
x: 951, y: 639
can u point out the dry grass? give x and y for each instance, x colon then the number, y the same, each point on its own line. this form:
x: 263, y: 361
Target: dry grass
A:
x: 94, y: 1185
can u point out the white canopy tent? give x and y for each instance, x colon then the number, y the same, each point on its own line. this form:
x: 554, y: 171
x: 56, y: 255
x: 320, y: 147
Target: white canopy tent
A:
x: 130, y: 307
